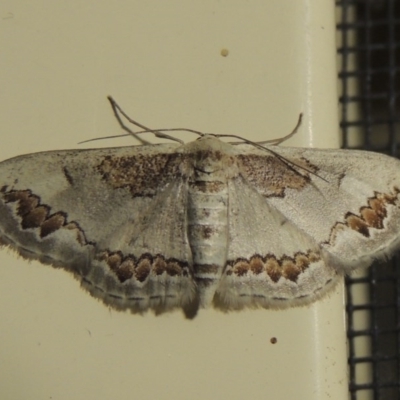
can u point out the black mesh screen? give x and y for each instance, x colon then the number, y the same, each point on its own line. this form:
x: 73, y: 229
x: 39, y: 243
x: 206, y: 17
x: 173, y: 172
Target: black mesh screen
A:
x: 369, y: 64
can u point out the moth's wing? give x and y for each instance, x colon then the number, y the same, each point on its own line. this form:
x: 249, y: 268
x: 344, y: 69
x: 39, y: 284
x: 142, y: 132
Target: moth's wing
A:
x: 271, y: 261
x: 107, y: 215
x: 296, y: 226
x: 353, y: 204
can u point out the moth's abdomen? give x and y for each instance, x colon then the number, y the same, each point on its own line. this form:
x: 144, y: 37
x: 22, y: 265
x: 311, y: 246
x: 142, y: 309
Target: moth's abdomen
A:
x: 208, y: 234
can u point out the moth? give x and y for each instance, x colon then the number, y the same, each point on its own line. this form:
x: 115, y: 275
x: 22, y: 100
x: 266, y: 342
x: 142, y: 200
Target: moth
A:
x: 202, y: 224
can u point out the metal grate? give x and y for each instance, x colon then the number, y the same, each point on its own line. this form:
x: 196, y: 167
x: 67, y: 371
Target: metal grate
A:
x: 369, y: 62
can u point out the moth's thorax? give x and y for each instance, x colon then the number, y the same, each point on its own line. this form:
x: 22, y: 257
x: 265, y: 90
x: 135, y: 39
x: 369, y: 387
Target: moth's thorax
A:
x: 210, y: 159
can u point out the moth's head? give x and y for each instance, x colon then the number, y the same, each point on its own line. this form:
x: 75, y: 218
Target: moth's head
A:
x: 209, y: 154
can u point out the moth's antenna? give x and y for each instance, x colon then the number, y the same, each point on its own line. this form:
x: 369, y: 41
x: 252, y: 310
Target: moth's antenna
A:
x: 276, y: 142
x: 117, y: 110
x: 111, y: 137
x: 146, y: 131
x: 179, y: 130
x: 273, y: 142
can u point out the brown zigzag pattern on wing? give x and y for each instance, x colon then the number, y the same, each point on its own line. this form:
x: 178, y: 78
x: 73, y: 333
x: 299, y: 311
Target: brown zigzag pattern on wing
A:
x: 287, y: 267
x: 371, y: 216
x: 126, y: 267
x: 33, y: 214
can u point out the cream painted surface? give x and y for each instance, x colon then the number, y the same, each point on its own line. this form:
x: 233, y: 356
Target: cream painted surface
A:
x: 162, y: 61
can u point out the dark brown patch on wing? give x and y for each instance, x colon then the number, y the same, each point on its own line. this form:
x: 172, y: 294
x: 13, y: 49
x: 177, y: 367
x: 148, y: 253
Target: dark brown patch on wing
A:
x: 159, y: 265
x: 271, y: 176
x: 127, y: 267
x: 256, y: 265
x: 52, y: 223
x: 68, y: 176
x: 287, y: 267
x: 173, y: 268
x: 35, y: 215
x: 26, y: 200
x: 371, y: 216
x: 142, y: 270
x: 273, y: 269
x: 142, y: 174
x: 357, y: 224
